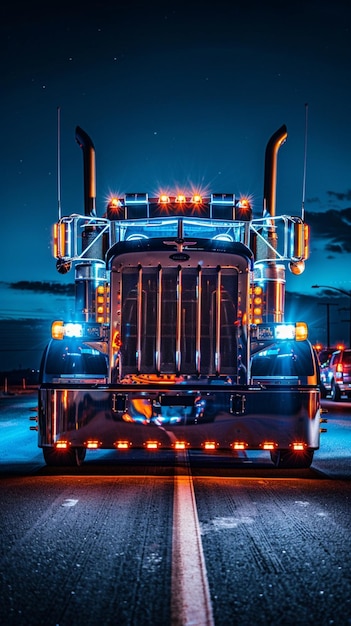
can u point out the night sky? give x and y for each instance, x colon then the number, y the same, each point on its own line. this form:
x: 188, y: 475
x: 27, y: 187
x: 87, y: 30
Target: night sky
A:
x: 172, y: 94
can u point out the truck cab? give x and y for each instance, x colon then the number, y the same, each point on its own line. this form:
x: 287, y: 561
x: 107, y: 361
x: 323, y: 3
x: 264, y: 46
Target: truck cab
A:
x: 179, y: 338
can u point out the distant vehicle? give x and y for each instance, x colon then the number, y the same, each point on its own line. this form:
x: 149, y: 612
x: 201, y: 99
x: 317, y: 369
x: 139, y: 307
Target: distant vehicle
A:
x: 323, y: 356
x: 336, y: 375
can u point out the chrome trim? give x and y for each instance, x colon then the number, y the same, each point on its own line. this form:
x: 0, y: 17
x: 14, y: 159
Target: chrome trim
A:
x: 139, y: 315
x: 158, y: 318
x: 179, y: 320
x: 198, y: 319
x: 218, y: 321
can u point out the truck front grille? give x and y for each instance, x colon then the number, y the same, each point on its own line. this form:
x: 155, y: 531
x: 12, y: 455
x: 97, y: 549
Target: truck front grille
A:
x: 177, y: 320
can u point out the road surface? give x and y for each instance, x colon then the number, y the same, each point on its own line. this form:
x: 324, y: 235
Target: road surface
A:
x: 143, y: 539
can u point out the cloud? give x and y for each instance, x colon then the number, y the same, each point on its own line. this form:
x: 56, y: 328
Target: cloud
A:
x: 334, y: 247
x: 334, y: 226
x: 340, y: 196
x: 314, y: 200
x: 44, y: 287
x: 332, y: 197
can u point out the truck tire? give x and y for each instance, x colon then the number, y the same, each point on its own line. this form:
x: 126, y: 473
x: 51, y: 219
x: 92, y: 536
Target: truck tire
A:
x: 286, y: 459
x: 73, y: 457
x: 335, y: 392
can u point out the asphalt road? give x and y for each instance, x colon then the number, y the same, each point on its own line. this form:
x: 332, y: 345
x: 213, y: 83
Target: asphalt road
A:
x: 139, y: 539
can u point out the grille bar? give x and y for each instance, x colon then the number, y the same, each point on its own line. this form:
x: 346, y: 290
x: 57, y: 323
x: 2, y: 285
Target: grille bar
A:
x: 218, y: 321
x: 158, y: 318
x: 179, y: 320
x: 198, y: 319
x: 139, y: 317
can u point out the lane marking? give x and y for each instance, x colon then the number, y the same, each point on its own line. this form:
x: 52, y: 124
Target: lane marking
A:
x: 190, y: 602
x: 70, y: 502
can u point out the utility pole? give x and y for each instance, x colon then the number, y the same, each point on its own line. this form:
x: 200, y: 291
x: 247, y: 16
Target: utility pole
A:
x: 345, y: 293
x: 328, y: 305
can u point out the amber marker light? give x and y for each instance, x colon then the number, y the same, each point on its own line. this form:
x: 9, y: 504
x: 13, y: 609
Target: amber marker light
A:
x: 116, y: 340
x: 306, y: 241
x: 55, y: 241
x: 196, y: 199
x: 269, y: 445
x: 210, y: 445
x: 180, y: 445
x: 239, y: 445
x: 164, y: 199
x: 152, y: 445
x: 57, y: 330
x: 301, y: 331
x: 122, y: 445
x: 257, y: 303
x: 244, y: 203
x: 114, y: 205
x: 180, y: 198
x: 102, y: 303
x: 298, y: 445
x: 93, y: 444
x: 59, y: 240
x: 61, y: 445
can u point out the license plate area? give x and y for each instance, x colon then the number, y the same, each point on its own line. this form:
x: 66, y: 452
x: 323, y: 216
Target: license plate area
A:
x: 176, y: 400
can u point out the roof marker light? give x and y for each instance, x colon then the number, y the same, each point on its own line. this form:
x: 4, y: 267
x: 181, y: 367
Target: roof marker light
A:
x: 164, y: 199
x: 114, y: 204
x: 196, y: 199
x: 244, y: 203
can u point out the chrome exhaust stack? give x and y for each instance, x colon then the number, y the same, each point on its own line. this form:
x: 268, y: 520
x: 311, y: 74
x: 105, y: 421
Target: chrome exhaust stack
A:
x: 91, y: 272
x: 86, y: 144
x: 270, y: 170
x: 270, y: 274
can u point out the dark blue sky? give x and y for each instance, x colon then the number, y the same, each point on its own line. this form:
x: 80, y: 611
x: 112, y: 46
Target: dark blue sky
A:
x: 174, y: 93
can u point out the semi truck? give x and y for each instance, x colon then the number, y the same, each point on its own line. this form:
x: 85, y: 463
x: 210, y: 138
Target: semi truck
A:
x: 178, y: 339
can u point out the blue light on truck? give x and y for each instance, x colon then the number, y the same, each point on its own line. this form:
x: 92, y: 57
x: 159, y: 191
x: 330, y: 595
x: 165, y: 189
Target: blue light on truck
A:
x: 75, y: 330
x: 280, y: 332
x: 285, y: 331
